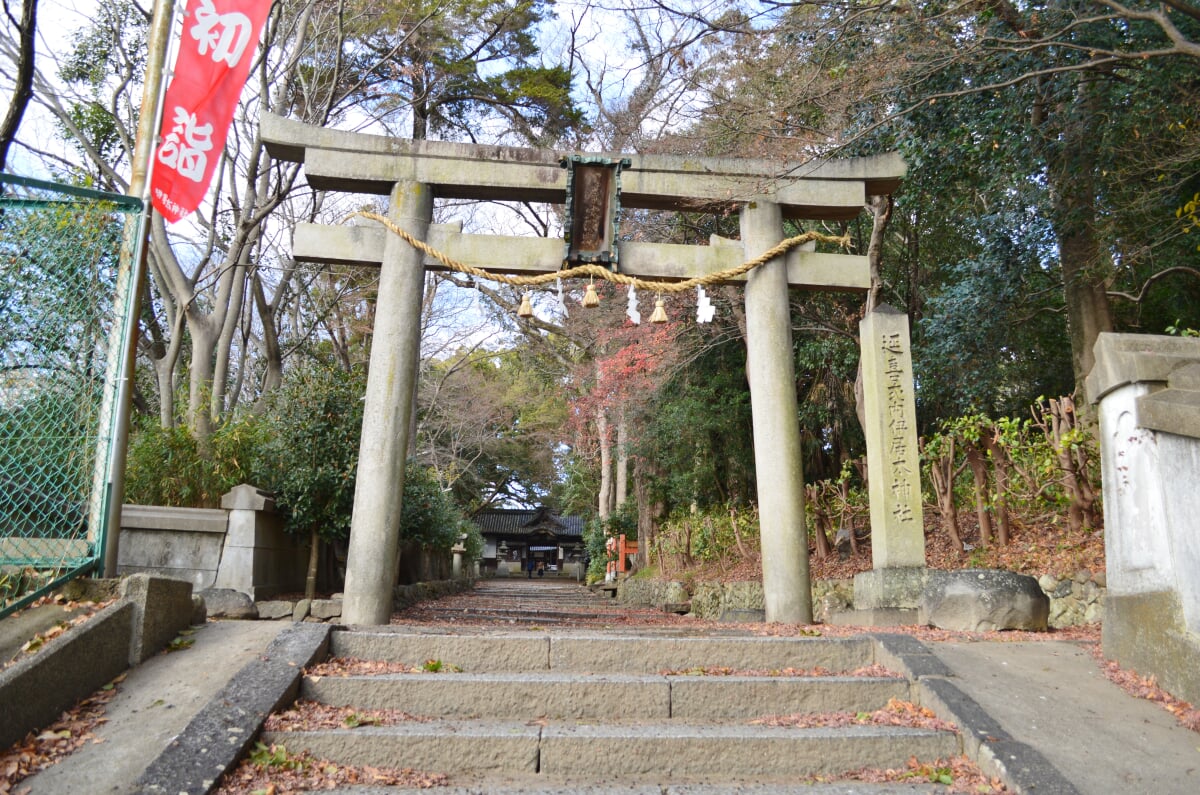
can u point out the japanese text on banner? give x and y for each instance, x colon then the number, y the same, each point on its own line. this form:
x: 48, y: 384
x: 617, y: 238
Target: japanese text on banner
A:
x: 216, y: 50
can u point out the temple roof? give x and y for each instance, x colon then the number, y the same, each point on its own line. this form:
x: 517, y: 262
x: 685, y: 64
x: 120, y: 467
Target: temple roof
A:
x: 525, y: 522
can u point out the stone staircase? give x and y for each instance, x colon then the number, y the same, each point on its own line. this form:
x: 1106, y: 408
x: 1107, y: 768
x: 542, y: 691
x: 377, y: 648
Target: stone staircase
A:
x: 591, y: 709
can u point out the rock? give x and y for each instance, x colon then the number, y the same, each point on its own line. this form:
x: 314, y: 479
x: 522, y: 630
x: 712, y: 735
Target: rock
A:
x: 1048, y: 583
x: 980, y: 600
x: 1083, y: 575
x: 199, y: 609
x: 676, y: 593
x: 706, y: 600
x: 325, y: 608
x: 301, y: 610
x: 276, y: 609
x: 1100, y: 578
x: 228, y: 603
x: 841, y: 542
x: 828, y: 604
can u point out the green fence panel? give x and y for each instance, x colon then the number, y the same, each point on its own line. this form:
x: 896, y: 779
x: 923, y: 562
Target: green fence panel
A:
x: 59, y: 255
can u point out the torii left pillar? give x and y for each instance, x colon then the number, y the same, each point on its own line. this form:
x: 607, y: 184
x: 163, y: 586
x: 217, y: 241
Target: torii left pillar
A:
x: 373, y: 556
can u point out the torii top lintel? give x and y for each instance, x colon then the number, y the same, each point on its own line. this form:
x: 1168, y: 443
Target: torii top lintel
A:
x: 364, y: 163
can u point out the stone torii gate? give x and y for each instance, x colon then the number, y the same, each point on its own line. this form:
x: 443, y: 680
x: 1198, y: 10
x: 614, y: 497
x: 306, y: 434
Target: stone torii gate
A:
x: 414, y: 173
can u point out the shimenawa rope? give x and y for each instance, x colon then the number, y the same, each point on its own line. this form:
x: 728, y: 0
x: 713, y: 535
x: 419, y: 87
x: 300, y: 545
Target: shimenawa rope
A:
x: 602, y: 272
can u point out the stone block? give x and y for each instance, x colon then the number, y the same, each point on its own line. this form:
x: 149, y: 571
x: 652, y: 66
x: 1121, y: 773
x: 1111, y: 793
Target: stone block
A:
x: 228, y: 603
x: 36, y: 689
x: 325, y: 609
x: 1146, y: 632
x: 275, y: 609
x: 981, y: 600
x: 301, y: 611
x: 899, y: 587
x: 162, y: 607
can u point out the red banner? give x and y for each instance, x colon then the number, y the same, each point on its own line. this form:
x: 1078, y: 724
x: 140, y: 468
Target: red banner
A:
x: 219, y: 42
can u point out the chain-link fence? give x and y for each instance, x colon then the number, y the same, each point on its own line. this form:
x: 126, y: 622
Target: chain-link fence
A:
x: 59, y: 253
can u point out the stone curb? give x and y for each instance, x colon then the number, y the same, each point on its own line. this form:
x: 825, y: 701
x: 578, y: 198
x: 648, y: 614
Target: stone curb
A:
x: 544, y: 788
x: 36, y: 689
x: 223, y: 730
x: 1022, y: 768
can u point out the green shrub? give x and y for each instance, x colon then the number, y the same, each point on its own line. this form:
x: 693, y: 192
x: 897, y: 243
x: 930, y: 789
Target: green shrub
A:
x: 430, y: 517
x: 309, y: 453
x: 167, y: 467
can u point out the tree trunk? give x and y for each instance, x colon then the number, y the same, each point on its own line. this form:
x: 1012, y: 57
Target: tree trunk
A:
x: 1057, y: 422
x: 821, y: 520
x: 604, y: 501
x: 314, y: 554
x: 620, y: 493
x: 224, y: 344
x: 1001, y: 470
x: 1071, y: 170
x: 942, y: 474
x: 977, y: 461
x: 881, y: 213
x: 649, y: 511
x: 23, y: 90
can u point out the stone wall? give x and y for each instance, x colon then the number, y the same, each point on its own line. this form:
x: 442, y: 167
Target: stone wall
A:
x: 1074, y: 600
x: 240, y: 546
x: 1148, y: 391
x: 330, y: 610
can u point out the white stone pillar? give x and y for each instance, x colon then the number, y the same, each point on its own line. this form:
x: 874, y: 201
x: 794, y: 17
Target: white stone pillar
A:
x: 395, y: 357
x: 786, y: 592
x: 893, y: 465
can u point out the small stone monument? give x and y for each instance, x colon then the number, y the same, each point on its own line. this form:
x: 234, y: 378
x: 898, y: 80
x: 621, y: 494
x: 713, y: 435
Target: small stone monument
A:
x: 893, y: 466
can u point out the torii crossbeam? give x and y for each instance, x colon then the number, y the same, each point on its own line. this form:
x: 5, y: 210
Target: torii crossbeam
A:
x: 414, y: 173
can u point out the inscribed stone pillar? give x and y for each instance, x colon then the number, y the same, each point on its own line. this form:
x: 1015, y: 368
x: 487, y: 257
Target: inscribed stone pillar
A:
x: 786, y: 592
x: 395, y: 350
x: 893, y: 463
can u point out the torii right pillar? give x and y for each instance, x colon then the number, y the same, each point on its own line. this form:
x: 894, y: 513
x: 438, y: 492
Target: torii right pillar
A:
x: 893, y: 469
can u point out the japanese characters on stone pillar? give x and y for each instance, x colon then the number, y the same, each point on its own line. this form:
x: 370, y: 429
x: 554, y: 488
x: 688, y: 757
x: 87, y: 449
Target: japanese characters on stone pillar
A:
x: 893, y: 460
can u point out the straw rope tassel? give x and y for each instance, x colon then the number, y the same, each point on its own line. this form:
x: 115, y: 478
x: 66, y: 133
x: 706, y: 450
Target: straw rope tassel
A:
x: 660, y: 312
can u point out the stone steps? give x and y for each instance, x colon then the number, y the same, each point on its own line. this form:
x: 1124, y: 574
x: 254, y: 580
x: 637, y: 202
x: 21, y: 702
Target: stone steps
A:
x: 586, y: 652
x: 563, y: 696
x: 536, y: 784
x: 525, y: 616
x: 586, y: 711
x: 659, y: 751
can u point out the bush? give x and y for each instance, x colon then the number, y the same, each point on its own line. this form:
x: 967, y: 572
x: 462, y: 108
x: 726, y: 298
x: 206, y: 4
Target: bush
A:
x: 167, y: 466
x: 430, y: 517
x: 309, y: 455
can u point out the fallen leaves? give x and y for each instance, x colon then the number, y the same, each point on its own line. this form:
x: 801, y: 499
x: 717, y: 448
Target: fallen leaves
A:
x: 272, y: 769
x: 353, y: 666
x: 896, y: 713
x: 1146, y: 687
x: 307, y: 716
x: 876, y: 670
x: 1044, y: 548
x: 958, y: 773
x: 40, y: 750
